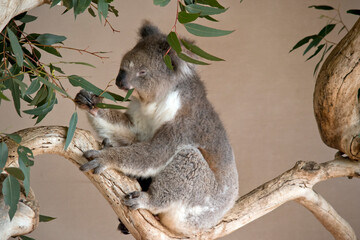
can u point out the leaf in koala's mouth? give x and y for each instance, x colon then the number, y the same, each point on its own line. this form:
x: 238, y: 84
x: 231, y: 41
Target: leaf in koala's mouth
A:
x: 128, y: 94
x: 109, y: 106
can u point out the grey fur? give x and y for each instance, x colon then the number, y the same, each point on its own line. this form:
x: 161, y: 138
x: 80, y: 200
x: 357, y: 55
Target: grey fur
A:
x: 170, y: 133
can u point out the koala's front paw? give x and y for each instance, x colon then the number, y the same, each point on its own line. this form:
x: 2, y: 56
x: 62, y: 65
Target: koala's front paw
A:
x: 106, y: 143
x: 87, y: 100
x: 97, y: 162
x: 132, y: 200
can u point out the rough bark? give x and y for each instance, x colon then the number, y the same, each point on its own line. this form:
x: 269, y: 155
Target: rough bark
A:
x: 336, y: 96
x: 295, y: 184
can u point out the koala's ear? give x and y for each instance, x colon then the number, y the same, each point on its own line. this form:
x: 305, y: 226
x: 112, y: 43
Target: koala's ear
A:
x: 148, y: 29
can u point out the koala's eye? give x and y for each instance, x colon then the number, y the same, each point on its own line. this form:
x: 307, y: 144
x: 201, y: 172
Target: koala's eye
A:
x: 141, y: 73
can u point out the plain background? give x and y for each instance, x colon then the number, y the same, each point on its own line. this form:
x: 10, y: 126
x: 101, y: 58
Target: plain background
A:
x: 262, y: 93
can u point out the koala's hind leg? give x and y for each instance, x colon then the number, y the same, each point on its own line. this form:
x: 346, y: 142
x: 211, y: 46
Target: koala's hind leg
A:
x: 182, y: 194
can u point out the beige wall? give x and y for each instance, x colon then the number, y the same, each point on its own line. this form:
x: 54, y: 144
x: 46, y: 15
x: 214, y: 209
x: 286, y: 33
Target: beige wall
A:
x: 262, y: 93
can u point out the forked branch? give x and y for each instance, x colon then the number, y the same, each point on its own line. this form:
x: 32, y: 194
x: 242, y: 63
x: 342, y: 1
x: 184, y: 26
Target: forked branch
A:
x: 295, y: 184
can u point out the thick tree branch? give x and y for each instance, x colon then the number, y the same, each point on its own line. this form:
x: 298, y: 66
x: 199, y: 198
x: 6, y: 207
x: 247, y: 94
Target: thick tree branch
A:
x: 11, y: 8
x: 294, y: 184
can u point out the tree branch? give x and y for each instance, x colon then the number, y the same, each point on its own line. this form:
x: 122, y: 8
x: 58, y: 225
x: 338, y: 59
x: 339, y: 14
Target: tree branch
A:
x: 11, y: 8
x: 295, y: 184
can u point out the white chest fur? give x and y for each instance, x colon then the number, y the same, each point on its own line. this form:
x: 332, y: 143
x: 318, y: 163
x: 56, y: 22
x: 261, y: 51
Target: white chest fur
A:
x: 147, y: 118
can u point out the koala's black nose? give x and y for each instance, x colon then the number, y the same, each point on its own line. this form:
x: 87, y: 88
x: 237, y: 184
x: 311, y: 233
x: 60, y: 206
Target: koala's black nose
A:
x: 121, y: 80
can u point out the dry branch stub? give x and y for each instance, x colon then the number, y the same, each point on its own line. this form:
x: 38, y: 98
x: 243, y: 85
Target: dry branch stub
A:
x: 336, y: 96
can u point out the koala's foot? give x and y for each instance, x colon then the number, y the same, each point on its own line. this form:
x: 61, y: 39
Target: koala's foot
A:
x: 96, y: 162
x: 122, y: 228
x: 87, y: 101
x: 136, y: 200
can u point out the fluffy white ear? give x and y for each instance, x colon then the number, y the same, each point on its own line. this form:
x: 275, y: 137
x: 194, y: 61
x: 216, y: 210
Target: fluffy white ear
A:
x: 148, y: 29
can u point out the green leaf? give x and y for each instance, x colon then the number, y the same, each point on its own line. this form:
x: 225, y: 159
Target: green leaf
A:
x: 116, y: 96
x: 354, y: 11
x: 109, y: 106
x: 204, y: 10
x: 80, y: 63
x: 4, y: 152
x: 161, y: 3
x: 2, y: 96
x: 174, y: 42
x: 26, y: 171
x: 34, y: 86
x: 52, y: 86
x: 71, y: 130
x: 26, y: 238
x: 80, y: 6
x: 16, y: 172
x: 77, y: 81
x: 202, y: 31
x: 184, y: 17
x: 191, y: 60
x: 322, y: 7
x: 128, y: 94
x: 212, y: 3
x: 26, y: 155
x: 43, y: 109
x: 43, y: 218
x: 15, y: 137
x: 322, y: 58
x: 55, y: 2
x: 210, y: 18
x: 102, y: 8
x: 303, y: 42
x: 11, y: 192
x: 316, y: 52
x: 49, y: 49
x: 91, y: 11
x: 50, y: 39
x: 313, y: 43
x: 15, y: 46
x: 18, y: 79
x: 167, y: 60
x: 198, y: 51
x: 28, y: 18
x: 15, y: 92
x: 326, y: 30
x: 40, y: 96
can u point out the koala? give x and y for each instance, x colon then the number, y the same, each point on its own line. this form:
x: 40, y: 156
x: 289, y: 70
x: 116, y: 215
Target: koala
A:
x: 169, y: 133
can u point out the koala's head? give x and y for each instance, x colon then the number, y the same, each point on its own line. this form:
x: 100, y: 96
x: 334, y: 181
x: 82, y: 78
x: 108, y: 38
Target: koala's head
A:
x: 144, y: 69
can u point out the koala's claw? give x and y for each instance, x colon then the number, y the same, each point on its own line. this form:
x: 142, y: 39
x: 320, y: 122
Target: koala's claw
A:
x: 106, y: 143
x: 94, y: 163
x: 87, y: 100
x: 132, y: 200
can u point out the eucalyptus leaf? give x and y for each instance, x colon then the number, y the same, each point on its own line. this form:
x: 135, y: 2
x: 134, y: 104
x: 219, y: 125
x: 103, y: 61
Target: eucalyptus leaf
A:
x: 161, y: 3
x: 49, y: 49
x: 303, y: 42
x: 78, y: 81
x: 43, y: 218
x: 26, y: 171
x: 16, y: 172
x: 26, y: 155
x: 50, y: 39
x: 43, y: 109
x: 26, y: 238
x: 198, y: 51
x: 71, y: 130
x: 80, y: 6
x: 28, y: 18
x: 109, y: 106
x: 15, y: 46
x: 4, y: 152
x: 102, y: 8
x: 203, y: 31
x: 2, y: 96
x: 167, y: 60
x: 15, y: 92
x: 34, y: 86
x: 322, y: 7
x: 52, y: 86
x: 128, y: 94
x: 91, y: 11
x: 174, y: 42
x: 15, y: 137
x: 204, y: 10
x: 184, y: 17
x: 11, y: 193
x: 212, y: 3
x: 55, y: 2
x: 316, y: 52
x: 354, y: 11
x: 79, y: 63
x: 191, y: 60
